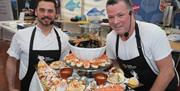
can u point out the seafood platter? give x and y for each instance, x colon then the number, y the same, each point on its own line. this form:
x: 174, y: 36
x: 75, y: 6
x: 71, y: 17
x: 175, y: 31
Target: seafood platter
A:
x: 66, y: 79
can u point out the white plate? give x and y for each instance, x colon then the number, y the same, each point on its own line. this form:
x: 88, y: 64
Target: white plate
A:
x: 174, y: 37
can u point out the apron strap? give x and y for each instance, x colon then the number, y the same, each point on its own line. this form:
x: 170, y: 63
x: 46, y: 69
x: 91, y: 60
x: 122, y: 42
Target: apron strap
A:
x: 59, y: 42
x: 117, y: 46
x: 25, y: 82
x: 138, y: 40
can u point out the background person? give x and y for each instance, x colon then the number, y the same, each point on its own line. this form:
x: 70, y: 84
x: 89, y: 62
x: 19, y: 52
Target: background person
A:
x: 42, y: 39
x: 140, y: 47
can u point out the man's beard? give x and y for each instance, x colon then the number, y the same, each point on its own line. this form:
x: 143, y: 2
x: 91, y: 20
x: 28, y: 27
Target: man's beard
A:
x: 41, y: 21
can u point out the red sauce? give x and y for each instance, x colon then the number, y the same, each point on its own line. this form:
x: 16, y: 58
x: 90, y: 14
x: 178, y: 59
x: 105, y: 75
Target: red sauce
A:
x: 66, y: 72
x: 100, y: 78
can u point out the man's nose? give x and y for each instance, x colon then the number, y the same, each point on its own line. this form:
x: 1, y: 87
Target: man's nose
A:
x: 46, y: 12
x: 116, y: 20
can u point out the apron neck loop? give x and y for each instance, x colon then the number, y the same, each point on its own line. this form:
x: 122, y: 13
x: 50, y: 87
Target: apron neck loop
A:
x: 32, y: 40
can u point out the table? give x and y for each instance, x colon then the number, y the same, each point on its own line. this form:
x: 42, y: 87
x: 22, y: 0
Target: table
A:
x: 175, y: 45
x: 176, y: 48
x: 8, y: 28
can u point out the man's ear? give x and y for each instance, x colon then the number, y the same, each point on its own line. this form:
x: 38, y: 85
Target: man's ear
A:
x: 56, y: 17
x: 130, y: 12
x: 35, y: 12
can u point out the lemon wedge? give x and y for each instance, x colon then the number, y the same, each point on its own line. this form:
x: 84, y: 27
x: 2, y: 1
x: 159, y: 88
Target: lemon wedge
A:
x: 133, y: 82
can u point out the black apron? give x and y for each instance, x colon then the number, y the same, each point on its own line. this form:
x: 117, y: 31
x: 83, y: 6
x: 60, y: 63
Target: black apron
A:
x: 138, y: 64
x: 52, y: 55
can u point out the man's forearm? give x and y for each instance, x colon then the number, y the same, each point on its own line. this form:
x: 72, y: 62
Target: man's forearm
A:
x: 162, y: 81
x: 11, y: 72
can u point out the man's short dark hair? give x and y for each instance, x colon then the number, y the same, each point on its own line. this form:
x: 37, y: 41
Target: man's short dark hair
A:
x: 112, y: 2
x: 53, y: 1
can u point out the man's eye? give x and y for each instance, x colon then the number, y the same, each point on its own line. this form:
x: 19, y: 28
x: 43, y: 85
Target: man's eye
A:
x: 119, y: 15
x: 41, y: 10
x: 50, y: 11
x: 111, y: 17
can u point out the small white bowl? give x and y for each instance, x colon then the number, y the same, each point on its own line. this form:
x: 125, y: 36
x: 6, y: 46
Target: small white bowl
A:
x: 87, y: 53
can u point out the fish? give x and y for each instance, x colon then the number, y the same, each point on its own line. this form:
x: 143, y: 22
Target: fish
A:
x: 96, y: 12
x: 71, y: 5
